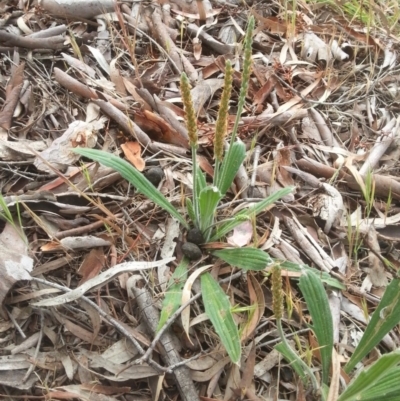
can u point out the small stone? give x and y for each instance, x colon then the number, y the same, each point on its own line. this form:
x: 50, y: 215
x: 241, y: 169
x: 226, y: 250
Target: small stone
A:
x: 191, y: 251
x: 154, y: 175
x: 195, y: 236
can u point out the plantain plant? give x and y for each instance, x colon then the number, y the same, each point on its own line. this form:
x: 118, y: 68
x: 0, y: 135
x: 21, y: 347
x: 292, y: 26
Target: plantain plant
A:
x: 202, y: 207
x: 380, y: 381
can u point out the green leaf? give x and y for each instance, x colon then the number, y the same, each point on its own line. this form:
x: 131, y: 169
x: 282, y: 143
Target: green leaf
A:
x: 218, y: 309
x: 294, y: 360
x: 230, y: 166
x: 317, y: 303
x: 245, y: 258
x: 173, y: 296
x: 254, y: 210
x: 208, y: 202
x: 323, y: 276
x: 378, y: 382
x: 201, y: 180
x: 385, y: 317
x: 131, y: 174
x: 190, y: 210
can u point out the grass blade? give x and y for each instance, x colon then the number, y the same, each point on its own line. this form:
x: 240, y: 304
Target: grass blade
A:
x: 385, y: 317
x: 218, y: 309
x: 318, y: 305
x: 378, y: 382
x: 173, y: 296
x: 254, y: 210
x: 245, y: 258
x: 134, y: 177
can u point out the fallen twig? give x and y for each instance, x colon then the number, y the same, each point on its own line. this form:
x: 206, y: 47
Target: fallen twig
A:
x: 53, y: 43
x: 168, y: 351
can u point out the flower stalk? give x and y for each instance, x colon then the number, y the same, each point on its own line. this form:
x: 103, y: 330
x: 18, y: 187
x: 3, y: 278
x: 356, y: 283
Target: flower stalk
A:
x: 222, y: 120
x: 191, y: 124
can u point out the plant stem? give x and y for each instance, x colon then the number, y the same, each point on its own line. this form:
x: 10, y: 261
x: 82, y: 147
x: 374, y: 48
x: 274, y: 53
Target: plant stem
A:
x: 216, y: 172
x: 195, y: 194
x: 245, y: 82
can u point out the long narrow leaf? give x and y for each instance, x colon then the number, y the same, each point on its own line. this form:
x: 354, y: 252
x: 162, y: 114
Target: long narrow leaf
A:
x: 137, y: 179
x: 317, y: 303
x: 378, y: 382
x: 201, y: 180
x: 190, y: 210
x: 294, y: 360
x: 385, y: 317
x: 173, y: 296
x: 218, y: 309
x: 323, y: 276
x: 230, y: 166
x: 254, y: 210
x: 245, y: 258
x: 208, y: 202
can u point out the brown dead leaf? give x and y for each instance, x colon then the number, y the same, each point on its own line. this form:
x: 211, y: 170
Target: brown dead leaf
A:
x: 168, y: 133
x: 205, y: 165
x: 100, y: 389
x: 92, y: 264
x: 217, y: 65
x: 131, y: 88
x: 158, y: 129
x: 13, y: 90
x: 283, y: 158
x: 132, y: 152
x: 79, y: 331
x: 248, y: 371
x: 271, y: 24
x: 362, y: 37
x: 258, y: 300
x: 262, y: 94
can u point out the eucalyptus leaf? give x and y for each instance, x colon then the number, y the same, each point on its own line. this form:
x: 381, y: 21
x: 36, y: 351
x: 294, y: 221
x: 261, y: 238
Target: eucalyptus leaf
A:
x: 173, y: 295
x: 378, y: 382
x: 317, y: 303
x: 137, y: 179
x: 218, y: 309
x: 230, y: 166
x: 254, y: 210
x: 245, y: 258
x: 385, y: 317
